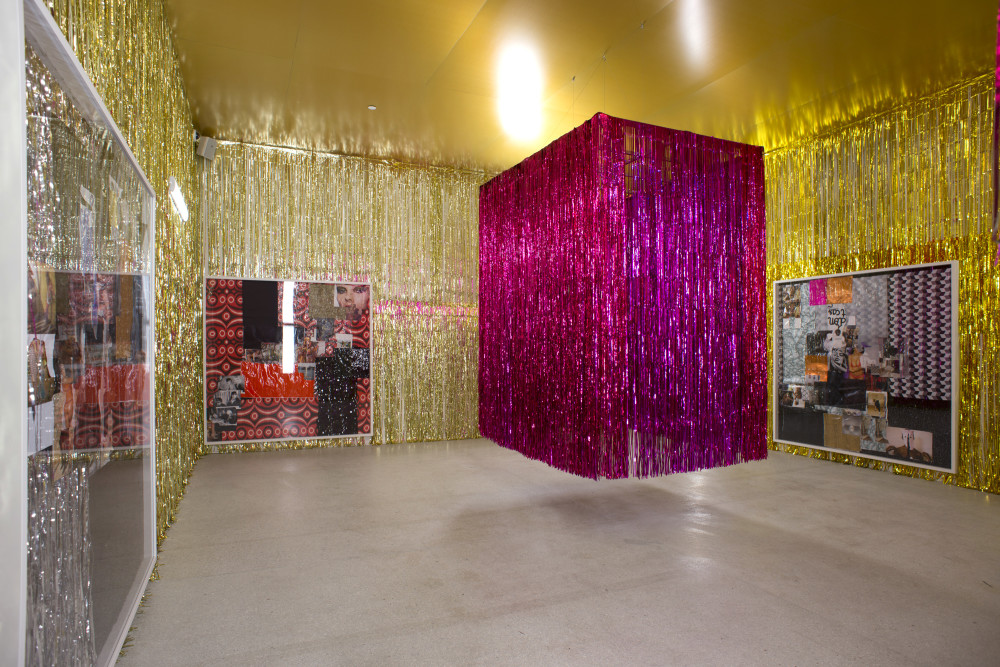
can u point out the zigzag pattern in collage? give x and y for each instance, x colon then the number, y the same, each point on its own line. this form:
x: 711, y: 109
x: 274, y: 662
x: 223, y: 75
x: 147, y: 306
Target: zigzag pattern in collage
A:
x: 223, y: 329
x: 920, y: 321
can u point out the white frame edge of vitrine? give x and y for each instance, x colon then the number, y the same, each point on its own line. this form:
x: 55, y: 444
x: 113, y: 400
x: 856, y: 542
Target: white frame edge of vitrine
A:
x: 13, y: 337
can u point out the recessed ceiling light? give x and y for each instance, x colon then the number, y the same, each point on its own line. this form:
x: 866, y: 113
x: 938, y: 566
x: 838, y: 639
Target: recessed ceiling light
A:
x: 371, y: 107
x: 519, y: 92
x: 694, y: 23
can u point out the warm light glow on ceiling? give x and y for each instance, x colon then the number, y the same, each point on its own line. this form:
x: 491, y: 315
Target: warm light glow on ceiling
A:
x: 519, y: 92
x: 766, y: 73
x: 694, y: 30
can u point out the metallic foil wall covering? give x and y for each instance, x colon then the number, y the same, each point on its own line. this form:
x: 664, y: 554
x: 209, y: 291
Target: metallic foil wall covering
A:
x: 66, y: 152
x: 125, y: 46
x: 622, y: 302
x: 905, y: 187
x: 411, y: 231
x: 996, y: 146
x: 60, y: 617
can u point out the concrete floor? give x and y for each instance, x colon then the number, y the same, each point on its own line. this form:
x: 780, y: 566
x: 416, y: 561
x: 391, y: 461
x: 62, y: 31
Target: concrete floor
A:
x: 460, y: 553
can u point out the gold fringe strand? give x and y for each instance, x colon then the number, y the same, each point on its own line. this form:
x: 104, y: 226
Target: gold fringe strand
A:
x: 908, y: 186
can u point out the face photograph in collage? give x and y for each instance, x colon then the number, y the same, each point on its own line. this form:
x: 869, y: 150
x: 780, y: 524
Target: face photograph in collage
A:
x: 225, y: 402
x: 302, y: 353
x: 871, y: 367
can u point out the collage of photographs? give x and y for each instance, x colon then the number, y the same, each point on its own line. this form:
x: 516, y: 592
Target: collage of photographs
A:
x: 863, y: 364
x: 287, y: 359
x: 88, y: 386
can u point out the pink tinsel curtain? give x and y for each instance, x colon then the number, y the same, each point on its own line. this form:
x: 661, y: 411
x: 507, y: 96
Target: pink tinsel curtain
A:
x: 622, y: 302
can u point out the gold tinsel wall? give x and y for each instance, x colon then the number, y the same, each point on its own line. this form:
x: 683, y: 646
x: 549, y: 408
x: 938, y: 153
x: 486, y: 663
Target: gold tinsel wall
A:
x: 908, y: 186
x: 127, y: 50
x: 412, y: 231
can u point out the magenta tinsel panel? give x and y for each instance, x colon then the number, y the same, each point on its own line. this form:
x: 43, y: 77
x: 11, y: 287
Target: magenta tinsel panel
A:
x: 622, y: 302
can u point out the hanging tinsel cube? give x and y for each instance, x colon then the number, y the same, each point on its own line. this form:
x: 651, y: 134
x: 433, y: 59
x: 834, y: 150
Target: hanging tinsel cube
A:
x: 622, y: 290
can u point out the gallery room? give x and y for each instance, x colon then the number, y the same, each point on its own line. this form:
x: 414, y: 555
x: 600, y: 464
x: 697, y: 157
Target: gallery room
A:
x: 499, y: 332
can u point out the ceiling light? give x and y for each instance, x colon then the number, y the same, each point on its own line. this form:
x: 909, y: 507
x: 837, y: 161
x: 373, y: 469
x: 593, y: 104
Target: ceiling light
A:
x: 371, y: 107
x: 177, y: 197
x: 519, y: 88
x: 695, y: 27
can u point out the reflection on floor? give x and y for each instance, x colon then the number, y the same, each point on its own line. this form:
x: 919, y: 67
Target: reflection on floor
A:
x: 466, y: 553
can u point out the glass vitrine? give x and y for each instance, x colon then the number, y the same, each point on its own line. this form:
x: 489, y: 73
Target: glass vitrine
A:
x: 89, y: 352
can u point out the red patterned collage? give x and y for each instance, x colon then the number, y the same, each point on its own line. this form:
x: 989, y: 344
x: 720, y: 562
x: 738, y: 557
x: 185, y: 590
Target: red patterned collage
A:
x: 88, y: 374
x: 286, y: 360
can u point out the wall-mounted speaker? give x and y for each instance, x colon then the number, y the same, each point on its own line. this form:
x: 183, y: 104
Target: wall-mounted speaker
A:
x: 206, y: 148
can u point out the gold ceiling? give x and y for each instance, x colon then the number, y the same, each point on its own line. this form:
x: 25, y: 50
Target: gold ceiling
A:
x: 303, y: 72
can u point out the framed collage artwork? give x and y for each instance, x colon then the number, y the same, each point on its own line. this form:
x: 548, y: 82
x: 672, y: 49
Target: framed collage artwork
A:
x: 88, y: 368
x: 286, y: 360
x: 866, y: 363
